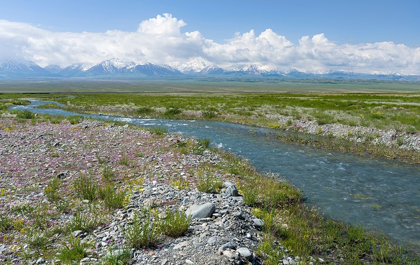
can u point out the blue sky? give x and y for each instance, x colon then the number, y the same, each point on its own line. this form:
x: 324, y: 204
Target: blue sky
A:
x: 341, y: 21
x: 370, y: 36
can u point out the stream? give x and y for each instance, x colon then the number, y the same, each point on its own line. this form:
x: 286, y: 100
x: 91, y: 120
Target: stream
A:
x: 381, y: 195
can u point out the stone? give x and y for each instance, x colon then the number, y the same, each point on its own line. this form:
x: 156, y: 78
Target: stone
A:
x: 258, y: 223
x: 230, y: 254
x: 201, y: 211
x: 40, y: 261
x: 77, y: 233
x: 238, y: 215
x: 227, y: 184
x: 231, y: 191
x: 229, y: 245
x: 244, y: 252
x: 181, y: 245
x: 212, y: 240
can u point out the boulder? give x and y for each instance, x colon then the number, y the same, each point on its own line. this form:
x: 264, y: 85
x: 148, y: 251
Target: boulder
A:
x: 201, y: 211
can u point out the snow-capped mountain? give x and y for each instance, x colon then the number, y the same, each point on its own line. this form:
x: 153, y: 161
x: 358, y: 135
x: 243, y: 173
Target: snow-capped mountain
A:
x: 114, y: 68
x: 110, y: 67
x: 54, y: 69
x: 74, y: 70
x: 154, y: 70
x: 193, y: 66
x: 15, y: 69
x: 212, y: 70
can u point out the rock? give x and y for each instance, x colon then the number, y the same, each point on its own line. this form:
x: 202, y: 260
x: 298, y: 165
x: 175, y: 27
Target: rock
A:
x: 227, y: 184
x: 258, y: 223
x: 40, y: 261
x: 201, y: 211
x: 181, y: 245
x: 77, y: 233
x: 2, y: 248
x: 228, y: 245
x: 244, y: 252
x: 231, y: 191
x: 212, y: 240
x: 230, y: 254
x: 238, y: 215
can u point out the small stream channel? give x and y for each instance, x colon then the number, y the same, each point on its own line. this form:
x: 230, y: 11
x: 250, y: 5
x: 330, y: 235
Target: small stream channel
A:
x: 381, y: 195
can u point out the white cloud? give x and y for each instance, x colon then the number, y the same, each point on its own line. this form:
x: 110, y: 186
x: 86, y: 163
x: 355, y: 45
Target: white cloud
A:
x: 160, y: 40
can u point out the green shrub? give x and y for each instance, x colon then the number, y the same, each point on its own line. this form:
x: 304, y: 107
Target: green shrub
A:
x: 175, y: 223
x: 159, y: 131
x: 85, y: 188
x: 113, y: 199
x: 125, y: 161
x: 75, y: 119
x: 39, y: 241
x: 172, y: 112
x: 6, y: 224
x: 208, y: 115
x: 205, y: 142
x: 208, y: 183
x: 143, y: 232
x: 52, y: 190
x: 108, y: 175
x: 72, y: 251
x: 25, y: 114
x: 84, y: 222
x: 119, y: 256
x: 144, y: 110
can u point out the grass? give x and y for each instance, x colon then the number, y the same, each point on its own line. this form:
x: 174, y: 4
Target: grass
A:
x: 85, y: 188
x: 159, y: 131
x: 175, y: 223
x: 25, y: 114
x: 113, y: 198
x: 73, y: 251
x: 84, y: 222
x: 143, y: 232
x: 207, y: 182
x: 6, y: 224
x: 52, y: 190
x: 117, y: 256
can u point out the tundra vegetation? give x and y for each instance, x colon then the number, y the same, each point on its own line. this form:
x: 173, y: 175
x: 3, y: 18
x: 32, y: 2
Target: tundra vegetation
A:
x: 82, y: 185
x: 379, y: 125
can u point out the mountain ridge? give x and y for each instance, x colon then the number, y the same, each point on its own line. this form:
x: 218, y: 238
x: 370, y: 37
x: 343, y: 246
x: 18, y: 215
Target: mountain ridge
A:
x: 115, y: 68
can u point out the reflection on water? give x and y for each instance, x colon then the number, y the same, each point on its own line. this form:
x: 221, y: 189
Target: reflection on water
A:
x: 382, y: 195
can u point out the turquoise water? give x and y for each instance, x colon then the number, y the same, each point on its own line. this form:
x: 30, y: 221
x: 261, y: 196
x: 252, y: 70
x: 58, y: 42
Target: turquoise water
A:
x: 381, y: 195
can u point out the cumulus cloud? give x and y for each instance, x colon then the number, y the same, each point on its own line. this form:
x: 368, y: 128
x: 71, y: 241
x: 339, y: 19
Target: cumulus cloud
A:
x: 160, y: 41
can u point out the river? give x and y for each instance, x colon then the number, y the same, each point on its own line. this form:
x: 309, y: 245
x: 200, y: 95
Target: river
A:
x: 381, y: 195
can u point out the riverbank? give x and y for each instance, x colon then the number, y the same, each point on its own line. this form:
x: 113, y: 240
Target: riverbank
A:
x: 375, y: 125
x: 75, y: 188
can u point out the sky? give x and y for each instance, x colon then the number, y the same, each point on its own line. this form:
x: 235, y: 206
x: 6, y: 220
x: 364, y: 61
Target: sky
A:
x: 369, y: 36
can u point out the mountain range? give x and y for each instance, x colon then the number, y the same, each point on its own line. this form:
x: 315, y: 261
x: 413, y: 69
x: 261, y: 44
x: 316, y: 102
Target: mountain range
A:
x: 114, y: 68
